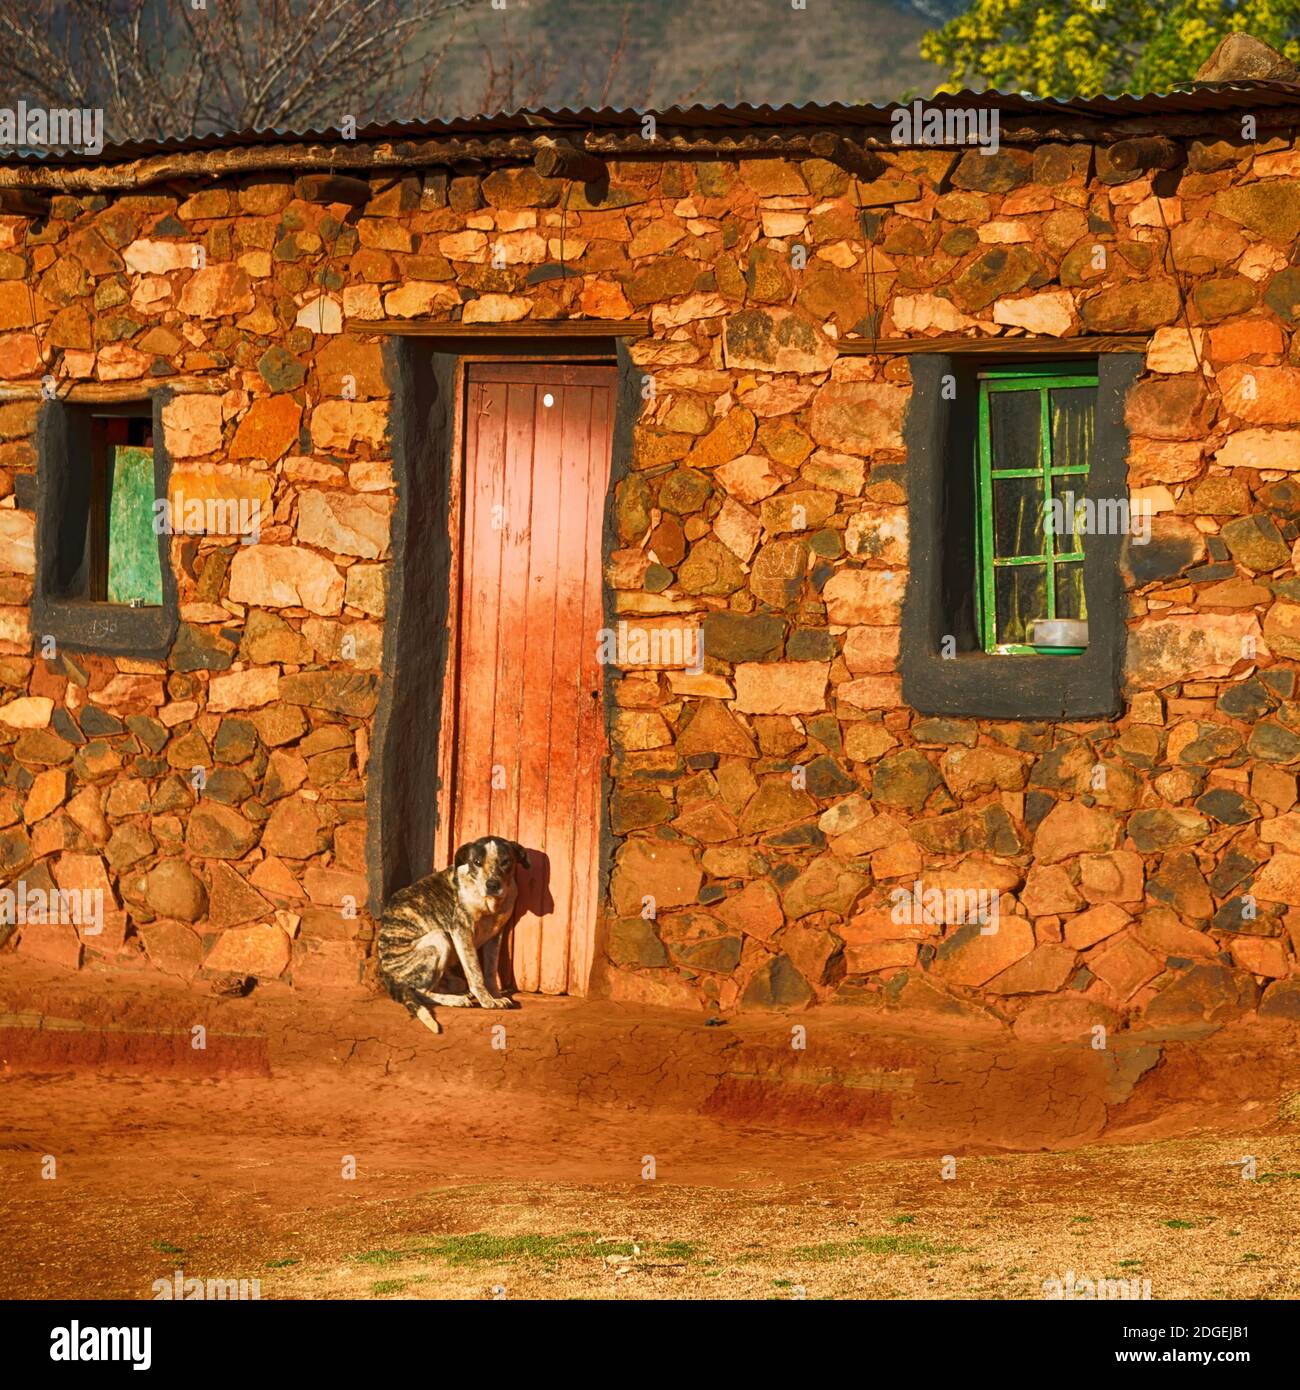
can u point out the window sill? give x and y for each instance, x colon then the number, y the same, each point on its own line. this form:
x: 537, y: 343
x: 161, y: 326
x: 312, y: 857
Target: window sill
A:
x: 997, y: 685
x: 112, y: 628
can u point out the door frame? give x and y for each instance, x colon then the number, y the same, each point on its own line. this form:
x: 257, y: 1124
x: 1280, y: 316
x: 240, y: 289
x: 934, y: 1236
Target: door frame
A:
x: 407, y: 783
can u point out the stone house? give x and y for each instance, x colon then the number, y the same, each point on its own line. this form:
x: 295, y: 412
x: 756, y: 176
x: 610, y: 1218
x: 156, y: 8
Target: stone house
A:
x: 671, y: 495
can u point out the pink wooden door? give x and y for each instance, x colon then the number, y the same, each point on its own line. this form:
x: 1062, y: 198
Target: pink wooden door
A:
x: 529, y: 731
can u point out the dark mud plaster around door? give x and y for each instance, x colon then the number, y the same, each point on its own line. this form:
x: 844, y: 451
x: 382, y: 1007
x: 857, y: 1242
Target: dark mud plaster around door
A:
x: 62, y: 512
x: 404, y: 780
x: 939, y: 438
x: 628, y: 402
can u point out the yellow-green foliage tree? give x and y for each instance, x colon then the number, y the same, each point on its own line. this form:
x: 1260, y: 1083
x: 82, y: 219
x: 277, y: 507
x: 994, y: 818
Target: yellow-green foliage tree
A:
x: 1064, y: 48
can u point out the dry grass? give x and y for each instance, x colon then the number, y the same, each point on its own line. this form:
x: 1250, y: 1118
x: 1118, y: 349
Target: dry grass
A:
x: 1176, y: 1213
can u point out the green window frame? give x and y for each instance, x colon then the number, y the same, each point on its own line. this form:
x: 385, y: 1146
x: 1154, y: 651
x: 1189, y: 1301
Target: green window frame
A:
x: 1065, y: 440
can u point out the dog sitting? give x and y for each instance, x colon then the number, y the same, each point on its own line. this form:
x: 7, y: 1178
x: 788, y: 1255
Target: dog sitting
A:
x: 445, y: 920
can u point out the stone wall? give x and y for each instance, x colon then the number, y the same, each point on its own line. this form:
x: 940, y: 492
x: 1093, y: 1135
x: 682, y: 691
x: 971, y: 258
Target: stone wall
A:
x: 772, y: 803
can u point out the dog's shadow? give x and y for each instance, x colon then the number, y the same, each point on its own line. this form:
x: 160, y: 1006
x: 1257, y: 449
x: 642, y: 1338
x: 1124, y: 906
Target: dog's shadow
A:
x: 533, y: 895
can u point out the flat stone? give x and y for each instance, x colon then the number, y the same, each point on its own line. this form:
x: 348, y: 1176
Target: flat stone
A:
x: 1094, y: 925
x: 755, y: 911
x: 336, y: 691
x: 790, y: 687
x: 727, y: 440
x: 171, y: 947
x: 234, y: 900
x: 1114, y: 877
x: 1204, y: 993
x: 994, y: 274
x: 633, y: 941
x: 1152, y: 831
x: 1281, y: 1000
x: 216, y: 291
x: 711, y: 568
x: 775, y: 805
x: 1160, y: 931
x: 294, y: 830
x: 1256, y: 543
x: 664, y: 871
x: 285, y: 577
x: 713, y: 729
x: 1072, y: 828
x: 262, y: 951
x: 1049, y: 892
x: 904, y: 779
x: 971, y: 958
x: 27, y: 712
x: 345, y: 523
x: 858, y: 417
x: 1043, y: 971
x: 1125, y: 966
x: 827, y: 885
x: 1132, y: 308
x: 218, y: 832
x: 741, y: 637
x: 776, y: 340
x: 777, y: 985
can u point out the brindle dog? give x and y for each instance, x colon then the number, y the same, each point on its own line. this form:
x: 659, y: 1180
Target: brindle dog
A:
x: 456, y: 913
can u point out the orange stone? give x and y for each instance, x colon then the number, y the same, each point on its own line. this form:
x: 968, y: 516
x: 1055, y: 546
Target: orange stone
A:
x: 268, y: 430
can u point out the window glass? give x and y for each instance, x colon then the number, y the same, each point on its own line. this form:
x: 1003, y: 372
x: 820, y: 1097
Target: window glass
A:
x: 1035, y: 449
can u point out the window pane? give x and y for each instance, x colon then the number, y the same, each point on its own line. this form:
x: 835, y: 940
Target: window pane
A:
x: 1069, y: 591
x: 1071, y: 413
x: 1021, y: 595
x: 134, y: 571
x: 1017, y: 516
x: 1068, y: 516
x: 1015, y: 429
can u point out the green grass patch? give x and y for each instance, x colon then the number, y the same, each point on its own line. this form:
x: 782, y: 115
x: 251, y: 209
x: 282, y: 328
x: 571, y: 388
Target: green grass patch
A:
x: 167, y: 1248
x: 484, y: 1248
x: 1177, y: 1224
x: 671, y: 1250
x: 282, y: 1264
x: 868, y: 1245
x: 383, y: 1286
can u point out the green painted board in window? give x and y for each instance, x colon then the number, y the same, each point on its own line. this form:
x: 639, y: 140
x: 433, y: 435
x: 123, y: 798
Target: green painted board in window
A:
x: 134, y: 570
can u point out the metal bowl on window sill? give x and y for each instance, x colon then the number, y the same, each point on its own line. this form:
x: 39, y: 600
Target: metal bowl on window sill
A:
x: 1059, y: 636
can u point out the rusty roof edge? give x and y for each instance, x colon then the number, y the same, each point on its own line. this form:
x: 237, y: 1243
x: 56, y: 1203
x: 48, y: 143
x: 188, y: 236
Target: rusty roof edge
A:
x: 1207, y: 98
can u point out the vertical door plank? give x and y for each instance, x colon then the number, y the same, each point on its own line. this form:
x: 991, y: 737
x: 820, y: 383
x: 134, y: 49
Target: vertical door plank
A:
x: 537, y: 643
x: 479, y: 628
x: 592, y: 720
x: 573, y: 406
x: 509, y: 600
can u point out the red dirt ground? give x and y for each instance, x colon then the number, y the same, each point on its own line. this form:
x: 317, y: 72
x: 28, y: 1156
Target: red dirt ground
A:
x: 477, y: 1168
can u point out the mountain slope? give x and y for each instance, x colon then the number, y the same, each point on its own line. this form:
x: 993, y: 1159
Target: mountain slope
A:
x: 683, y: 51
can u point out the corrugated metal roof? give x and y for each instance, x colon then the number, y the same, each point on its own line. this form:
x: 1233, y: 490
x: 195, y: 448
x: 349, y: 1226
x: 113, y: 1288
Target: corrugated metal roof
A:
x: 1195, y: 98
